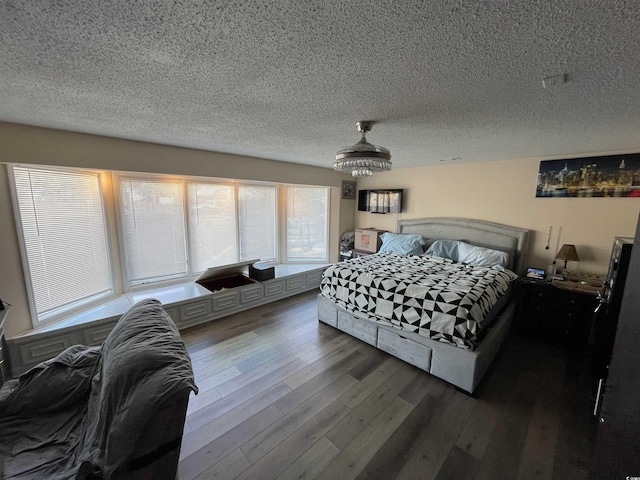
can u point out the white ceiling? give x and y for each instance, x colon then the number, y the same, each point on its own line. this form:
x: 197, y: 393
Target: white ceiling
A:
x: 287, y: 80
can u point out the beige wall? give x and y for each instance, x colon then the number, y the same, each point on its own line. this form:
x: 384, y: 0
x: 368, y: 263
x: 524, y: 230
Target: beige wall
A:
x: 33, y: 145
x: 504, y: 192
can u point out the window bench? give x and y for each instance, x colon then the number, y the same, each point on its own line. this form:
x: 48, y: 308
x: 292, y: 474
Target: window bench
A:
x: 188, y: 304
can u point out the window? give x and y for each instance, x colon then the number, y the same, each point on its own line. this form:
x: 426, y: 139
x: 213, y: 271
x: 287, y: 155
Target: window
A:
x: 167, y: 229
x: 161, y: 242
x: 212, y: 225
x: 62, y: 222
x: 257, y: 216
x: 153, y: 229
x: 307, y: 209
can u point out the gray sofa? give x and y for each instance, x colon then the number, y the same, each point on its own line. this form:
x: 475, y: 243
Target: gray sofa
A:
x: 111, y: 412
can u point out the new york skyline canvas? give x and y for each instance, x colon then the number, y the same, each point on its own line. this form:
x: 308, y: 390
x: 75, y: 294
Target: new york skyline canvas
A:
x: 603, y: 176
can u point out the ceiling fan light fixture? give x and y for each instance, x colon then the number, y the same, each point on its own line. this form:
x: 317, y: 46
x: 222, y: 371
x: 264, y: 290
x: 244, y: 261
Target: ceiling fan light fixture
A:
x: 363, y: 158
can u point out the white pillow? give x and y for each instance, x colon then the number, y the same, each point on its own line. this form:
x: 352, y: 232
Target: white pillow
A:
x: 481, y: 256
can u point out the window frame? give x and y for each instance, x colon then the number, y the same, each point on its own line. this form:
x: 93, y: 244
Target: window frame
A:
x: 118, y: 177
x: 285, y: 226
x: 110, y: 192
x: 125, y: 272
x: 277, y: 217
x: 200, y: 181
x: 40, y: 320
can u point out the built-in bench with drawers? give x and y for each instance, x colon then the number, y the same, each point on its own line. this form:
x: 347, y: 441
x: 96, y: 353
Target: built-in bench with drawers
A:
x: 188, y: 304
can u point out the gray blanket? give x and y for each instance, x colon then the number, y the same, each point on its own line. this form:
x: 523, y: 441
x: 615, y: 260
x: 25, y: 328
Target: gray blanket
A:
x: 80, y: 415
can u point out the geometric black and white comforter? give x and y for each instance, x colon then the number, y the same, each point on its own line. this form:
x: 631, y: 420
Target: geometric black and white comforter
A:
x: 432, y: 296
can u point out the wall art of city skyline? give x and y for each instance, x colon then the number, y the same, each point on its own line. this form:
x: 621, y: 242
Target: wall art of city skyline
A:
x: 604, y: 176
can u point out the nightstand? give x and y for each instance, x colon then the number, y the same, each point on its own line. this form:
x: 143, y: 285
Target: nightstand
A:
x: 555, y: 314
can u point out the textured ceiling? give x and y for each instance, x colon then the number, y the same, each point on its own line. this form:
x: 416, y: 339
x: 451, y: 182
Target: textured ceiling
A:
x: 287, y: 80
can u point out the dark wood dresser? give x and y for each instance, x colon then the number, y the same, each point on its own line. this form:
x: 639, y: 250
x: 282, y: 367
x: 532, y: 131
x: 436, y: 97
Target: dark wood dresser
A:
x: 555, y: 314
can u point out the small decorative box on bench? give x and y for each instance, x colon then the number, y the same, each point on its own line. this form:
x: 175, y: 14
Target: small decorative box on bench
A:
x: 224, y: 277
x: 262, y: 271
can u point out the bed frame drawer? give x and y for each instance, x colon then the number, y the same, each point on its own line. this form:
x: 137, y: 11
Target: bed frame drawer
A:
x: 405, y: 349
x: 363, y: 329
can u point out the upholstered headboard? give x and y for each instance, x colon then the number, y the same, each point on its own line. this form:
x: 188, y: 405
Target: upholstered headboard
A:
x: 512, y: 240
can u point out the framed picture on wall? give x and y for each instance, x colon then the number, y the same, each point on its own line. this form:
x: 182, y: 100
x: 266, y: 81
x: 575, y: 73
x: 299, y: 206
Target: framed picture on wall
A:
x: 348, y: 190
x: 604, y: 176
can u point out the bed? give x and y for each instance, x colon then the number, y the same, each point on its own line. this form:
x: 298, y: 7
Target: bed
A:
x: 361, y: 298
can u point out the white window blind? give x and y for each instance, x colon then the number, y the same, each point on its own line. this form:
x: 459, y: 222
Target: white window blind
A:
x: 65, y: 241
x: 212, y: 226
x: 257, y: 217
x: 307, y: 223
x: 153, y: 224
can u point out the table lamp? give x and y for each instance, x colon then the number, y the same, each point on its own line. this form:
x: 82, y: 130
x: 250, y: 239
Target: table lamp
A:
x: 567, y: 253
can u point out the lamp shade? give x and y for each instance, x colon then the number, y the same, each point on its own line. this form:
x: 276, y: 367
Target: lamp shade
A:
x: 567, y: 253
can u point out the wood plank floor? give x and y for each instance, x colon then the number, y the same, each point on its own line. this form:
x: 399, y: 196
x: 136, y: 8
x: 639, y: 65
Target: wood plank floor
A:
x: 283, y: 396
